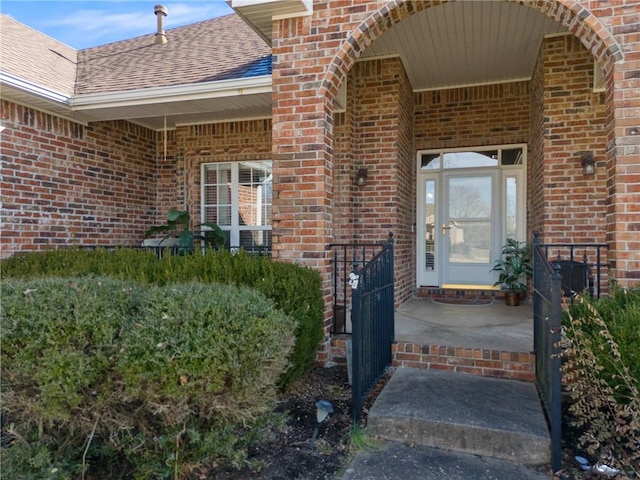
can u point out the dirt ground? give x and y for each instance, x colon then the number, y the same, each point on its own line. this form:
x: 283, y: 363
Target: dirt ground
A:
x: 287, y: 455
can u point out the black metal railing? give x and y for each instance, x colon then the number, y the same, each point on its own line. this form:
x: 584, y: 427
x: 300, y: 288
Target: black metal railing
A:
x: 583, y: 266
x: 547, y: 322
x: 372, y: 316
x: 347, y: 257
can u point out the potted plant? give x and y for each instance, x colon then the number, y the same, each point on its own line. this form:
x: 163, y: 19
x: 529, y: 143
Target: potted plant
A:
x: 178, y: 233
x: 514, y: 268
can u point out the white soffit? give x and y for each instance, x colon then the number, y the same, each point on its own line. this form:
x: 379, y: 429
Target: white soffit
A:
x: 260, y: 14
x: 186, y: 112
x: 466, y: 43
x: 195, y: 103
x: 209, y: 102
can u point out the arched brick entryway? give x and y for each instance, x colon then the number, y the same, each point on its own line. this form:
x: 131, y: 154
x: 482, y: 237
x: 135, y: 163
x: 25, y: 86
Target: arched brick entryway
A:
x: 312, y: 58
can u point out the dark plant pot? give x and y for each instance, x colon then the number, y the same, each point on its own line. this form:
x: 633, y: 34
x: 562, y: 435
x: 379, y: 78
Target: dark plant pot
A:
x: 512, y: 299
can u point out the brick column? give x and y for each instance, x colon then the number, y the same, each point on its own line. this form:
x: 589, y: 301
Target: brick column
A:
x: 623, y: 172
x: 302, y: 161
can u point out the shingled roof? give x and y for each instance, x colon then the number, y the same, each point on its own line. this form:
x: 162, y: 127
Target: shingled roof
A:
x: 222, y: 48
x: 34, y: 57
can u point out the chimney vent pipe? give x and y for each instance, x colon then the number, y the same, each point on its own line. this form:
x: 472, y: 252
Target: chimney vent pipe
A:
x: 161, y: 12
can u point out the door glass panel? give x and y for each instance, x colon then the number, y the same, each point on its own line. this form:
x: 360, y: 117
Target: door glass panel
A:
x: 469, y: 197
x: 430, y: 221
x: 469, y: 212
x: 511, y: 220
x: 470, y: 241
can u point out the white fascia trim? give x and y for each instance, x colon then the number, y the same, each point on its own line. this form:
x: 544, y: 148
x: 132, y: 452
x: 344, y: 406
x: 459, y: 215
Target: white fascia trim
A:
x: 469, y: 85
x: 211, y: 122
x: 177, y: 93
x: 34, y: 88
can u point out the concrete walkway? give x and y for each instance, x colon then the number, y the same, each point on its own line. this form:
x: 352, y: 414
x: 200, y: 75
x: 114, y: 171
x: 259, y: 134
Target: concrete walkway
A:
x: 443, y: 425
x: 494, y: 326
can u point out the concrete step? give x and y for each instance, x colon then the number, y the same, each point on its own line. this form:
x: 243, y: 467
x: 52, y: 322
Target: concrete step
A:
x: 477, y: 415
x: 399, y: 461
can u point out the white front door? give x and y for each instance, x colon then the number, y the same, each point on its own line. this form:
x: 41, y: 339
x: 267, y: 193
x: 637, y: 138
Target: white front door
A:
x: 469, y: 202
x: 468, y: 227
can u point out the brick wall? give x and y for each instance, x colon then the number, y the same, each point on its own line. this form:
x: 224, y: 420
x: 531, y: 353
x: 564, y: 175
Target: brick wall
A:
x: 573, y: 120
x: 405, y: 238
x: 535, y: 156
x: 169, y: 192
x: 623, y: 140
x: 64, y: 183
x: 474, y: 116
x: 321, y: 50
x: 376, y: 133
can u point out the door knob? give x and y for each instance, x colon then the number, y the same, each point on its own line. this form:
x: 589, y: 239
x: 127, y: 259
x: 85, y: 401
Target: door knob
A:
x: 444, y: 228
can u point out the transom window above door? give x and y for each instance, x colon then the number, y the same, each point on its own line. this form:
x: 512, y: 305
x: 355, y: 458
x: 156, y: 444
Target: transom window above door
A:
x: 472, y: 159
x: 237, y: 196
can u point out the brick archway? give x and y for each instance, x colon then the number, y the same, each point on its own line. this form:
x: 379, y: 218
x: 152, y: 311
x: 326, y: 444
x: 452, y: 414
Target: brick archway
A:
x: 599, y: 40
x: 569, y: 13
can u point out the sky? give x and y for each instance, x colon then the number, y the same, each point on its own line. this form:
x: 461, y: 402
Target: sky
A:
x: 83, y: 24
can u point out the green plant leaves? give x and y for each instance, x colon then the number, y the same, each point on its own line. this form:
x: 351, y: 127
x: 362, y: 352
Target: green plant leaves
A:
x: 514, y: 267
x: 141, y: 366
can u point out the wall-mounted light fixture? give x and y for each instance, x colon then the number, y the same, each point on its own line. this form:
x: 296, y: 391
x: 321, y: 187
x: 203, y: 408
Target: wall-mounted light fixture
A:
x: 361, y: 179
x: 588, y: 163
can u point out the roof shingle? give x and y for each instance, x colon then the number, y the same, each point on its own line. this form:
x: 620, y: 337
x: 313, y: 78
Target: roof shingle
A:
x: 35, y: 57
x: 221, y: 48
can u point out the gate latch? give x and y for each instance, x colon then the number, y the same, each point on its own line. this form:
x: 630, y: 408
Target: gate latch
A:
x: 353, y: 280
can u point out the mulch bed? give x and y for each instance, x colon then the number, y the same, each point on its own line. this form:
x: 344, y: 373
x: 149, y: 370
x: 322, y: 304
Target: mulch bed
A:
x: 287, y: 454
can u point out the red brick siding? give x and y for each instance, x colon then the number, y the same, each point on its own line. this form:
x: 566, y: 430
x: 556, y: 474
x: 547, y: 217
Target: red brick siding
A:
x: 535, y: 155
x: 607, y: 30
x: 379, y: 138
x: 345, y: 171
x: 405, y: 238
x: 64, y: 183
x: 574, y: 120
x: 169, y: 191
x: 623, y: 141
x: 481, y: 115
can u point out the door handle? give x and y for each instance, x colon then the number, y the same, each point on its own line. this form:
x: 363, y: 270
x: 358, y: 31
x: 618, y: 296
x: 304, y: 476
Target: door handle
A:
x: 445, y: 228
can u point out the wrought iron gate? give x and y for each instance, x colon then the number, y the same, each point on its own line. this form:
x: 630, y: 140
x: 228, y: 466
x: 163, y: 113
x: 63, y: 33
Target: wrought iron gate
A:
x: 372, y: 317
x: 546, y: 338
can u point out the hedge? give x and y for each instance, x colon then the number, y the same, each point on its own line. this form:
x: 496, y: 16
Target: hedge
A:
x: 97, y: 371
x: 296, y: 290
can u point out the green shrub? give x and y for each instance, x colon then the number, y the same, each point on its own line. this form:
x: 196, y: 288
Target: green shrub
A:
x: 601, y: 373
x: 621, y: 313
x: 124, y: 263
x: 96, y: 370
x: 294, y: 289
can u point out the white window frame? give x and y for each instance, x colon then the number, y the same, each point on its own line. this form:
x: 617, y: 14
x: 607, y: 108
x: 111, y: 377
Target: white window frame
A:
x: 235, y: 228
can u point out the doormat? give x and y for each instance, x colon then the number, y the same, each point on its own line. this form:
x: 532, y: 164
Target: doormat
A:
x: 464, y: 301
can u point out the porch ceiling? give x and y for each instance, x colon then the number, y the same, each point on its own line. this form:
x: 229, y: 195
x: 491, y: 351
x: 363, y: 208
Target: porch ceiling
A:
x: 466, y: 43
